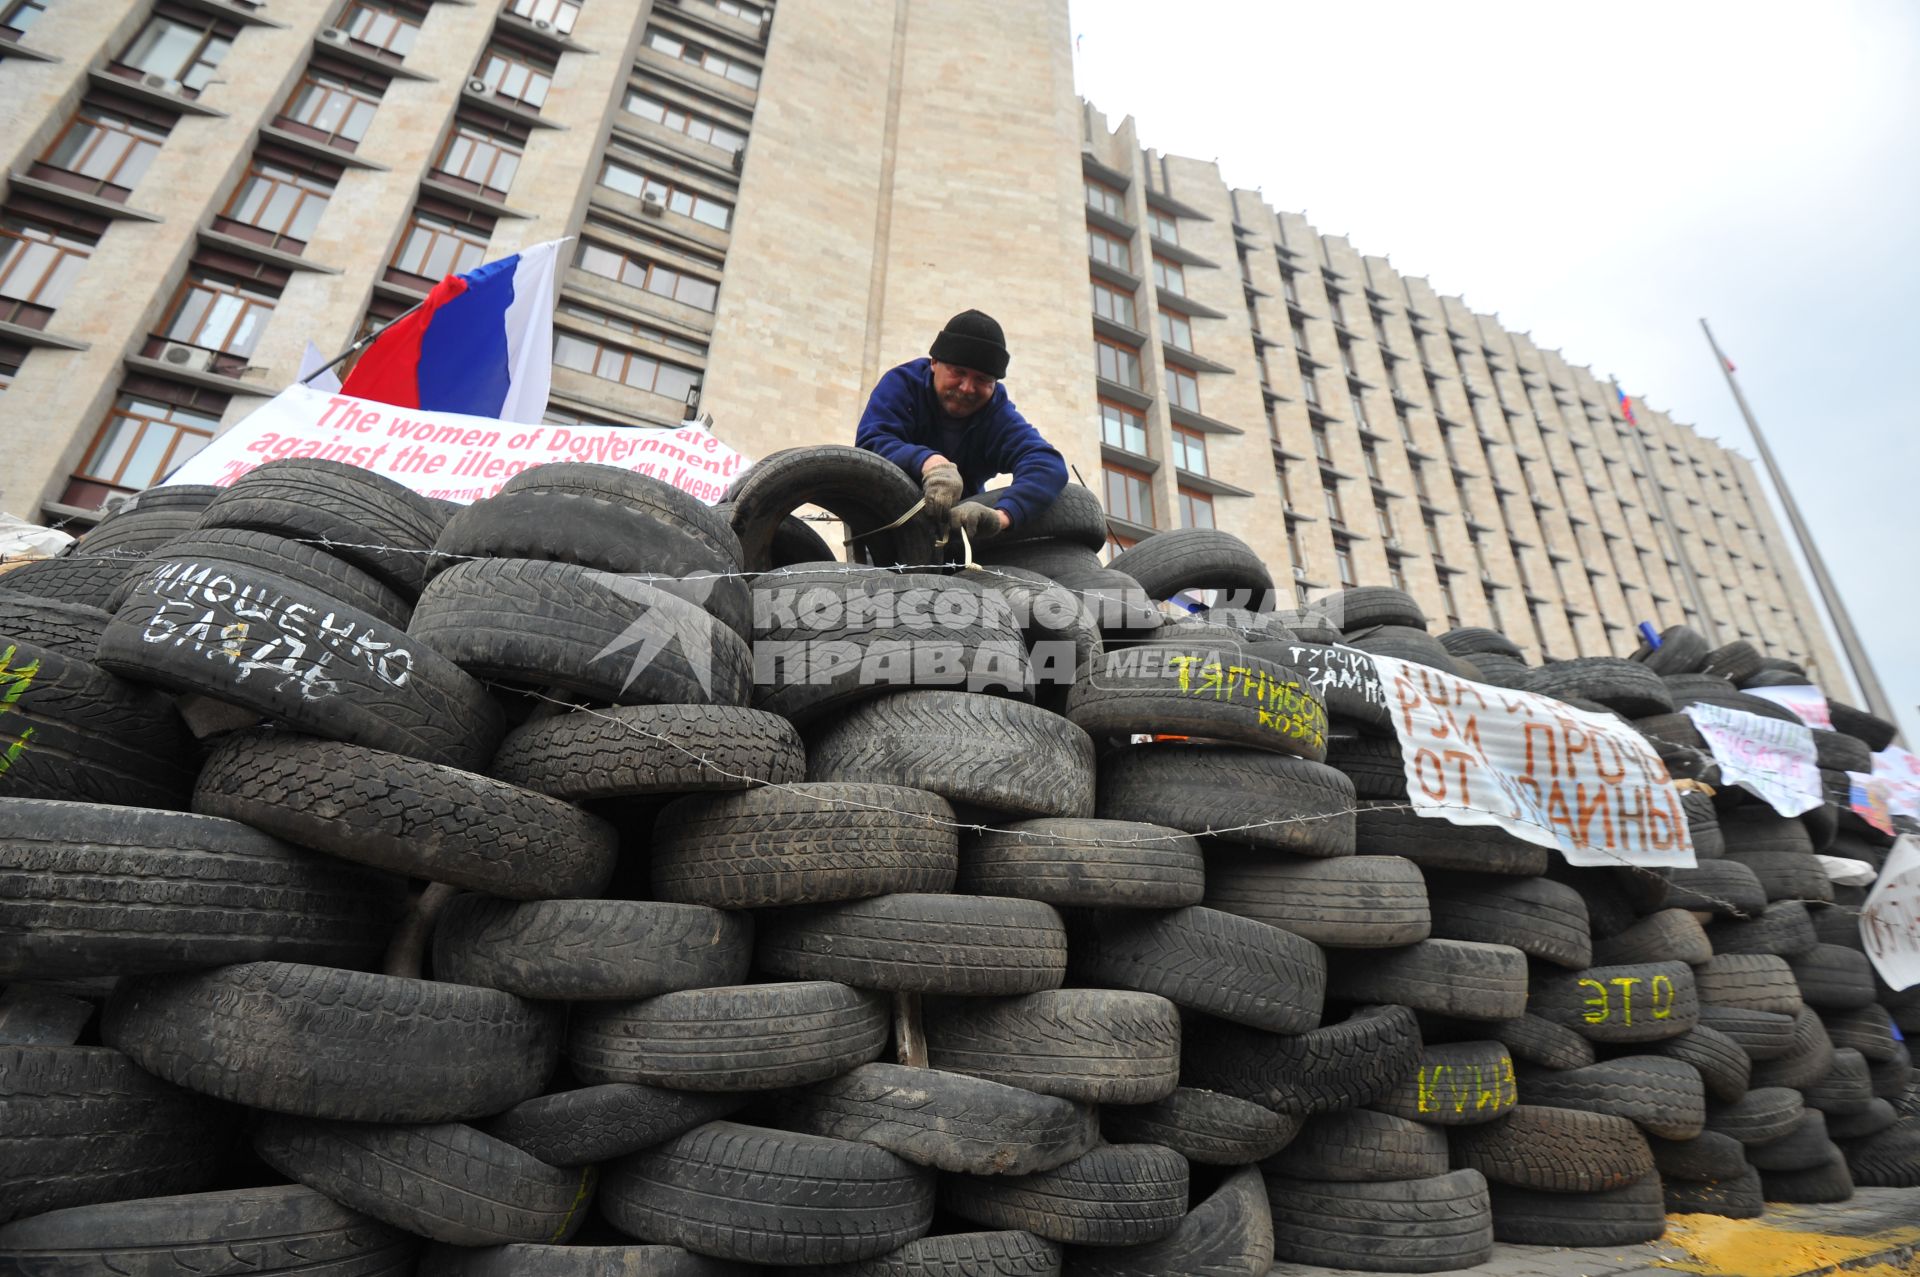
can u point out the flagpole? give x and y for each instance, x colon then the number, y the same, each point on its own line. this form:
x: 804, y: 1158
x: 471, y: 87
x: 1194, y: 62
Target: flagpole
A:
x: 1850, y: 643
x: 361, y: 344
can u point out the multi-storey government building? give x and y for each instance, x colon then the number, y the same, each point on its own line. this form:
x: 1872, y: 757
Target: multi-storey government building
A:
x: 771, y: 205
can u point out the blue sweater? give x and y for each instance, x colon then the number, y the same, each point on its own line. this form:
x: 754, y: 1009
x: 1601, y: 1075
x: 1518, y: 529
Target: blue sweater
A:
x: 905, y: 424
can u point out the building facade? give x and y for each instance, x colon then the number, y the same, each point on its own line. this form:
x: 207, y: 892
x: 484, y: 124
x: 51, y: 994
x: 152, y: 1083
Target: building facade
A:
x: 770, y: 206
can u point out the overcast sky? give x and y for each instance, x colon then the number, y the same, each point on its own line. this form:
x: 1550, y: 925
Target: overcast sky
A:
x: 1601, y: 176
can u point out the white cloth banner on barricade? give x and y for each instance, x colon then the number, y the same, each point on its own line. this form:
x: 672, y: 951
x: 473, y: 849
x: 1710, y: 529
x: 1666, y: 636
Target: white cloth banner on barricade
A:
x: 1768, y: 756
x: 1807, y: 702
x: 1890, y: 920
x: 1900, y: 769
x: 1585, y: 784
x: 450, y: 455
x: 1846, y: 871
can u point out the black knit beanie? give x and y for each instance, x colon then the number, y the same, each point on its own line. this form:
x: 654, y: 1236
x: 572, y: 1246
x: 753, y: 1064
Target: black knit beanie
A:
x: 973, y: 340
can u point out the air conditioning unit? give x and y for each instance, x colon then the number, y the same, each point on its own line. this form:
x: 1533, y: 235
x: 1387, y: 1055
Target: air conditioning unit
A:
x: 651, y: 204
x: 740, y: 160
x: 541, y: 24
x: 334, y: 35
x: 1299, y: 574
x: 1393, y: 543
x: 478, y: 85
x: 189, y: 358
x: 160, y: 83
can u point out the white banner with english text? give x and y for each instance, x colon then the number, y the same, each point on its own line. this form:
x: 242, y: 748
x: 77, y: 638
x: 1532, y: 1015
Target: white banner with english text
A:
x: 449, y: 455
x: 1807, y: 702
x: 1585, y: 784
x: 1890, y: 920
x: 1767, y: 756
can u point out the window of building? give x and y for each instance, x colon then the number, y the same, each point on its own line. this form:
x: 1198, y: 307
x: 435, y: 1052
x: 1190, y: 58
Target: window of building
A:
x: 1170, y: 276
x: 1122, y: 427
x: 1110, y: 303
x: 1176, y: 330
x: 1379, y: 327
x: 1289, y: 287
x: 179, y: 48
x: 1433, y: 534
x: 513, y: 75
x: 1129, y: 494
x: 17, y: 17
x: 331, y: 107
x: 628, y: 367
x: 1183, y: 388
x: 1343, y: 562
x: 437, y: 246
x: 1165, y: 226
x: 1395, y: 576
x: 279, y: 201
x: 1189, y: 450
x: 1116, y: 363
x: 700, y: 128
x: 1346, y: 359
x: 1299, y: 332
x: 1309, y: 387
x: 1335, y: 311
x: 560, y: 14
x: 637, y: 272
x: 481, y: 157
x: 1369, y: 460
x: 1293, y: 547
x: 383, y: 27
x: 631, y: 181
x: 741, y: 9
x: 216, y: 312
x: 1196, y: 509
x: 107, y: 147
x: 1448, y: 602
x: 1109, y: 249
x: 1322, y: 447
x: 737, y: 70
x: 1105, y: 199
x: 1331, y: 487
x: 142, y: 439
x: 1383, y: 517
x: 39, y: 260
x: 633, y: 327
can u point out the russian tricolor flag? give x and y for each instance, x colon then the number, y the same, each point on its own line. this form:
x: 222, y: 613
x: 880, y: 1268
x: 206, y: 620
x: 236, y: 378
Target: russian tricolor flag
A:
x: 481, y: 343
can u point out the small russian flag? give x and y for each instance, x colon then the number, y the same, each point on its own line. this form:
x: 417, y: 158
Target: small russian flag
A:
x: 1626, y: 406
x: 481, y: 343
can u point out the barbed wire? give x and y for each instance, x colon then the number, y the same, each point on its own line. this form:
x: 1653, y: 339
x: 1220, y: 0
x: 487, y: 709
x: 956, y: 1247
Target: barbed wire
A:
x: 804, y: 789
x: 1107, y: 597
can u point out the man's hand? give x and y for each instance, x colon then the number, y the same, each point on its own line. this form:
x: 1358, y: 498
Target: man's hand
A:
x: 980, y: 522
x: 940, y: 482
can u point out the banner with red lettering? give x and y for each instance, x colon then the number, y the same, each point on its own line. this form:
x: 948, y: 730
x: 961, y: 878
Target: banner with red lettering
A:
x: 1807, y: 702
x: 447, y: 454
x: 1890, y: 920
x: 1769, y: 757
x: 1585, y: 784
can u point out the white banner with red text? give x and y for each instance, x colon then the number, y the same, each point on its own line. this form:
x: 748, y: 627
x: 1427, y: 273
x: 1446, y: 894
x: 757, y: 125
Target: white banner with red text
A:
x: 1899, y: 770
x: 1585, y: 784
x: 450, y: 455
x: 1890, y: 920
x: 1807, y: 702
x: 1766, y: 756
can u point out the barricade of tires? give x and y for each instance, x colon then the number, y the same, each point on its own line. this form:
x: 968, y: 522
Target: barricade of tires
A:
x: 555, y: 885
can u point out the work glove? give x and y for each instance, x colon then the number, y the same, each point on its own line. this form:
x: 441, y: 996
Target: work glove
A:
x: 942, y: 488
x: 980, y: 522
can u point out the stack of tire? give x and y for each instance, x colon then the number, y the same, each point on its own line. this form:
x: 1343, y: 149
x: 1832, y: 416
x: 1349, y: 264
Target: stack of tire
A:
x: 1196, y: 991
